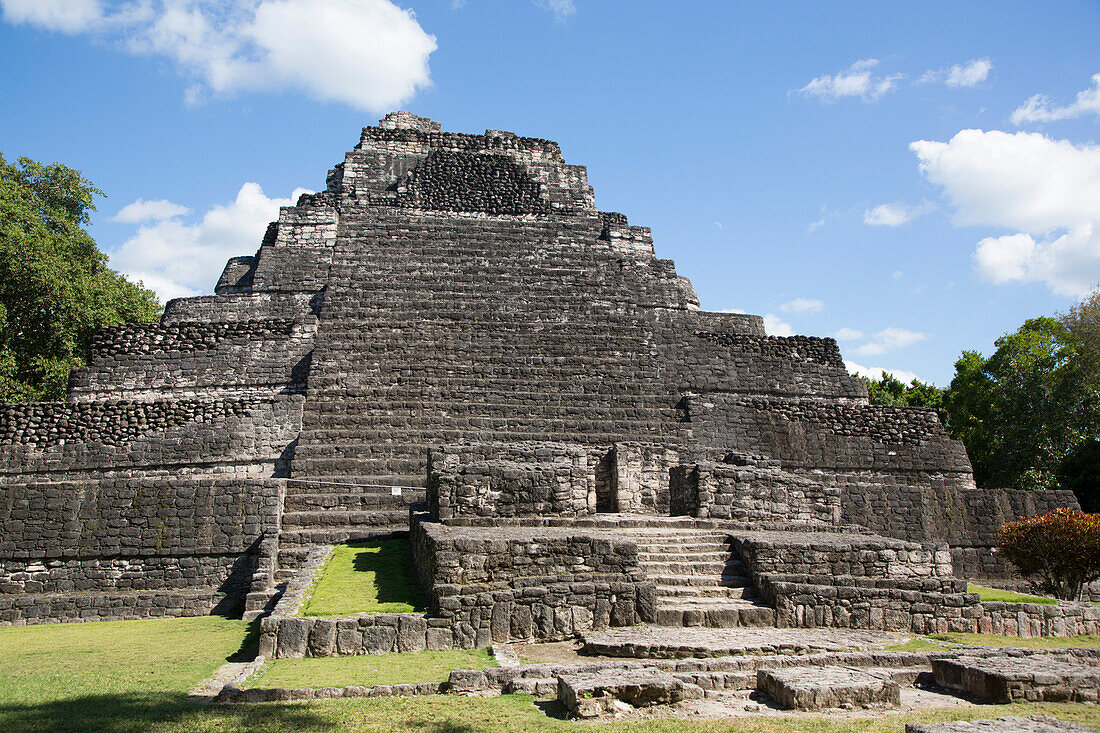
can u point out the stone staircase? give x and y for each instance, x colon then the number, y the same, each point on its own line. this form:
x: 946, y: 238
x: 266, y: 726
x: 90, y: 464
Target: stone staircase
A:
x: 324, y: 511
x: 699, y: 581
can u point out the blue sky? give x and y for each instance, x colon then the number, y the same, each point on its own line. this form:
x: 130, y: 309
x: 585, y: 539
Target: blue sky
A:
x: 914, y: 180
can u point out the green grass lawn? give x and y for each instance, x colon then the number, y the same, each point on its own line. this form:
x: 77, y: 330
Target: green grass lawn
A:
x: 373, y: 576
x: 996, y: 594
x: 131, y: 676
x: 370, y: 669
x: 1044, y: 642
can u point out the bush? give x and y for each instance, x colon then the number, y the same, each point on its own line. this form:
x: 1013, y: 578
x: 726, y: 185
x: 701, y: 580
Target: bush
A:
x: 1061, y: 549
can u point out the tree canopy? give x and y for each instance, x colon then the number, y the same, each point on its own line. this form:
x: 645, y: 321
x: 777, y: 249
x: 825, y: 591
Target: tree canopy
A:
x: 55, y: 286
x: 1029, y: 414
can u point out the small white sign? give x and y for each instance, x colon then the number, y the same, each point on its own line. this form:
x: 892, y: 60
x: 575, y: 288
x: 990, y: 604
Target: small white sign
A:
x: 395, y: 491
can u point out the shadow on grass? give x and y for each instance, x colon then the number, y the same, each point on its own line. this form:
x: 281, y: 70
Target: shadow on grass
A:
x: 165, y: 712
x: 154, y: 712
x: 394, y: 571
x: 250, y: 645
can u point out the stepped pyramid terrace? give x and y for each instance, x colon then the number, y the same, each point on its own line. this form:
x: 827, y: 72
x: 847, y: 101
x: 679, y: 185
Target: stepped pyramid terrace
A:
x: 450, y: 343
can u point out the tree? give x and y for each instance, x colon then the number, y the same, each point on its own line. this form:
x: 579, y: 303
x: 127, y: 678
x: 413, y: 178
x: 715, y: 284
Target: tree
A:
x: 1061, y: 548
x: 1023, y: 410
x: 55, y: 286
x: 889, y: 390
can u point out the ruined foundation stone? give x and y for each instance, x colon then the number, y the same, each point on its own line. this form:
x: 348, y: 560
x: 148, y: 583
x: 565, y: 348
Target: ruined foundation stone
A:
x: 1022, y: 677
x: 819, y: 688
x: 587, y: 695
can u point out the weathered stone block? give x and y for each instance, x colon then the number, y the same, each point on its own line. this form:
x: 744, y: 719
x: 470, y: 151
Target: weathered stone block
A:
x: 818, y: 688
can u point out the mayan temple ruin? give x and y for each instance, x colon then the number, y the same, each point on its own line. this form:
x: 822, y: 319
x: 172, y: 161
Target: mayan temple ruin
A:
x: 451, y: 343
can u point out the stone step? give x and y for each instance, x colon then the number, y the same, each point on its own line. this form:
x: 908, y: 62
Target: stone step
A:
x: 677, y: 592
x: 720, y: 615
x: 341, y: 518
x: 704, y: 556
x: 354, y: 502
x: 313, y: 483
x: 337, y: 535
x: 674, y: 567
x: 729, y: 580
x: 664, y: 548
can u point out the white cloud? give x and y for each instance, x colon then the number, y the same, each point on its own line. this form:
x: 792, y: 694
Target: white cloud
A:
x: 175, y: 258
x: 856, y: 81
x: 802, y: 305
x: 1041, y: 108
x: 848, y: 334
x: 1048, y: 190
x: 895, y: 214
x: 890, y: 339
x: 64, y: 16
x: 775, y: 326
x: 142, y: 210
x: 969, y: 74
x: 561, y: 9
x: 369, y: 54
x: 898, y: 275
x: 875, y: 373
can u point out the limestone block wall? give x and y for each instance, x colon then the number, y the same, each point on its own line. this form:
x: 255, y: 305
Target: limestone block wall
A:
x: 195, y: 358
x: 507, y: 480
x: 187, y: 541
x: 966, y: 518
x: 525, y: 584
x: 55, y: 437
x: 836, y: 554
x: 753, y: 489
x: 641, y: 478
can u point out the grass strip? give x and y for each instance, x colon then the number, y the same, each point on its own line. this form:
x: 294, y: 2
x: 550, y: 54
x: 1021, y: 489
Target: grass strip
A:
x: 1007, y: 596
x: 370, y: 669
x: 372, y: 576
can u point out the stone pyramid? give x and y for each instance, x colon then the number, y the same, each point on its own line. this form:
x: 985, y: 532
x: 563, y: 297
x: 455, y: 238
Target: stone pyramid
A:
x: 450, y: 320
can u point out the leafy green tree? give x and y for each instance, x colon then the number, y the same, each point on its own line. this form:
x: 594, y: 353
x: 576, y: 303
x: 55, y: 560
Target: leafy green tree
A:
x: 1023, y: 410
x: 55, y: 286
x: 889, y: 390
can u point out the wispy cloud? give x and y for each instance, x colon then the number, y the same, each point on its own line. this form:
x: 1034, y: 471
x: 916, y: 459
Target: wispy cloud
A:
x: 957, y: 76
x: 1041, y: 108
x: 802, y: 305
x: 857, y: 80
x: 848, y: 334
x: 142, y: 210
x: 890, y: 339
x: 895, y: 214
x: 561, y: 9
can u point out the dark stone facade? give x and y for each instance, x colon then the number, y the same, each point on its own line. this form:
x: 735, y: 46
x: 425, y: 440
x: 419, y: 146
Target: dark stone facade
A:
x: 458, y: 295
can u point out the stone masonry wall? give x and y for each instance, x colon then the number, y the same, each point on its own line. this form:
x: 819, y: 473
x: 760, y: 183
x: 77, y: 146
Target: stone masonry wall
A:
x: 968, y: 519
x: 526, y: 584
x: 754, y: 489
x: 506, y: 480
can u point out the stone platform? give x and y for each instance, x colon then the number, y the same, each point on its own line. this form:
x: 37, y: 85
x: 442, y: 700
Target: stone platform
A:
x: 1020, y: 677
x: 1015, y: 724
x: 656, y: 642
x: 588, y: 695
x: 820, y: 688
